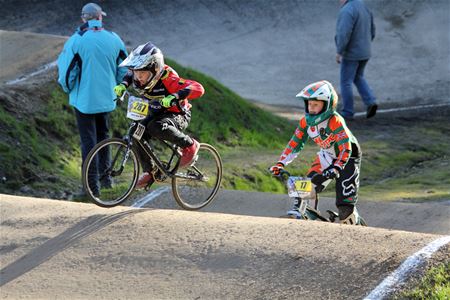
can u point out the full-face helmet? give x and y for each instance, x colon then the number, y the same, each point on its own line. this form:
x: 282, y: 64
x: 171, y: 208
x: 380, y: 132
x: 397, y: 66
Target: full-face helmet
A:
x: 146, y: 57
x: 321, y: 91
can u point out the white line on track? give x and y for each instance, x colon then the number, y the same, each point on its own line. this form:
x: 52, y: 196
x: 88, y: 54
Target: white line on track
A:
x: 408, y: 266
x: 359, y: 114
x: 39, y: 71
x: 150, y: 197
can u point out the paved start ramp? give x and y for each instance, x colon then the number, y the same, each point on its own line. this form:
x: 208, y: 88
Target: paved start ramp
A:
x: 56, y: 248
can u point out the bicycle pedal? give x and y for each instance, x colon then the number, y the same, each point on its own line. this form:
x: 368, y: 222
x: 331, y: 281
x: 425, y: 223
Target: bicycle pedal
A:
x: 332, y: 215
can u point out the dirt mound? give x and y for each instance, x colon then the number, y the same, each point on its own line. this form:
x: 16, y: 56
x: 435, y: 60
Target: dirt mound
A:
x: 54, y: 248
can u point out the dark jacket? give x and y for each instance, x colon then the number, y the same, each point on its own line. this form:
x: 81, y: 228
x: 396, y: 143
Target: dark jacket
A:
x: 355, y: 30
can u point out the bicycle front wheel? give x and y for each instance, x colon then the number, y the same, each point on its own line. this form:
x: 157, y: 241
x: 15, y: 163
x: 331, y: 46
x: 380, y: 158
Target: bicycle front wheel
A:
x: 196, y: 186
x: 110, y: 172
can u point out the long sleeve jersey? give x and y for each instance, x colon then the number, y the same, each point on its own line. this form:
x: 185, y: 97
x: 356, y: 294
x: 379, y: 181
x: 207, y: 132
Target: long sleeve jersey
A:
x: 169, y: 83
x: 332, y: 135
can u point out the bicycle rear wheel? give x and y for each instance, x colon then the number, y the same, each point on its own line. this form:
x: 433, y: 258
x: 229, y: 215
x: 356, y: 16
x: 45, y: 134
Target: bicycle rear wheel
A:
x: 110, y: 172
x: 196, y: 186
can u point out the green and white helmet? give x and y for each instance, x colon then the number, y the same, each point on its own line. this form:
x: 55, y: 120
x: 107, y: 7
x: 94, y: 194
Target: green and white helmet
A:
x: 322, y: 91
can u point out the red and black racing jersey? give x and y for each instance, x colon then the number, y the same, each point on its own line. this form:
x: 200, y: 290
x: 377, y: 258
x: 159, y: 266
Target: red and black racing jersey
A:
x: 169, y: 83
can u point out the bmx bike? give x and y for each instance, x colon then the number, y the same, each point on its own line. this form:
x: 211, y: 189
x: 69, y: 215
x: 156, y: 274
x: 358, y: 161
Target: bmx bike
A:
x: 111, y: 169
x: 305, y: 192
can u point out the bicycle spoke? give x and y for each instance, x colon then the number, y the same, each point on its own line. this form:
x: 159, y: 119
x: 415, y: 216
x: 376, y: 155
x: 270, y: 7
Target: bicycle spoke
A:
x: 196, y: 186
x: 112, y: 186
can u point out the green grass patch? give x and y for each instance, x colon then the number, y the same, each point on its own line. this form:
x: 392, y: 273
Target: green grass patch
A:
x: 434, y: 285
x: 224, y: 119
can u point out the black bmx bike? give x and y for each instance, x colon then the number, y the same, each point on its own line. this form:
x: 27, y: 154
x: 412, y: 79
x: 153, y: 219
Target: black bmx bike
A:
x: 111, y: 169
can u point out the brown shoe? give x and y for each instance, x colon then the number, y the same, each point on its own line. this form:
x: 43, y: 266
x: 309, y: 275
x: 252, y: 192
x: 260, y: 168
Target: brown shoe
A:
x: 146, y: 179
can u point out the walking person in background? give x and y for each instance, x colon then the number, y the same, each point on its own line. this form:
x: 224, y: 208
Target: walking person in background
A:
x: 88, y: 69
x: 355, y: 31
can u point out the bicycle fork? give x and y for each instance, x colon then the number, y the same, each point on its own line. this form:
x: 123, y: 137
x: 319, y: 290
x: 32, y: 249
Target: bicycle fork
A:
x: 124, y: 161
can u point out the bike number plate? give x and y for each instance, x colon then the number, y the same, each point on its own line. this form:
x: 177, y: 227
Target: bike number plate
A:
x: 137, y: 108
x: 300, y: 187
x: 303, y: 185
x: 137, y: 134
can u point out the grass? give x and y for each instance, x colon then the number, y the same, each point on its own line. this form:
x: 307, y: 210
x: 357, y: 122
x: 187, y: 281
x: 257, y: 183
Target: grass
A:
x: 226, y: 120
x: 434, y: 285
x: 407, y: 158
x: 27, y: 148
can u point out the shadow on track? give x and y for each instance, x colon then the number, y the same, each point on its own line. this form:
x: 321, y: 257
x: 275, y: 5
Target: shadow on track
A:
x: 57, y: 244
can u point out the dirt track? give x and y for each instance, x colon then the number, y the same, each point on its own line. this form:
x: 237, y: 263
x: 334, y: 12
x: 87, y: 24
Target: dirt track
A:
x: 430, y: 217
x: 58, y: 249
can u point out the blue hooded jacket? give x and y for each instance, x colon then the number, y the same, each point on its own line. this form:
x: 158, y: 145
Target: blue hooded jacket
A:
x: 355, y: 30
x: 88, y: 68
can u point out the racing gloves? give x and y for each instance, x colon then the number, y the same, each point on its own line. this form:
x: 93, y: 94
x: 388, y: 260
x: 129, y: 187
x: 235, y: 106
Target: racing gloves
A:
x: 169, y: 100
x: 120, y: 89
x: 276, y: 169
x: 331, y: 172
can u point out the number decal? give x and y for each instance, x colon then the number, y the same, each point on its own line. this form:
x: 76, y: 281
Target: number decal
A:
x: 140, y: 108
x: 303, y: 185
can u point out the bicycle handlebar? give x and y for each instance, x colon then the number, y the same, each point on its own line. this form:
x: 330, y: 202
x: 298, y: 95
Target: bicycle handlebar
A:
x: 317, y: 179
x: 154, y: 105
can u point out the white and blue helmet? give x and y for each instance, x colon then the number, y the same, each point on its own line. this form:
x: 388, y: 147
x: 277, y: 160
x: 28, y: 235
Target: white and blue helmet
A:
x: 146, y: 57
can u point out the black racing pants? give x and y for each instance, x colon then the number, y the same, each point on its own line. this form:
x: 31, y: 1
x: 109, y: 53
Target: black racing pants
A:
x: 168, y: 127
x: 347, y: 185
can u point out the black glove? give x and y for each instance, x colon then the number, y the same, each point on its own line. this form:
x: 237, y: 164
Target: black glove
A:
x: 331, y: 172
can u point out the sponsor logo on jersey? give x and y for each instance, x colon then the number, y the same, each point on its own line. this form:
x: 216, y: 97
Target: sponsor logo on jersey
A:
x: 324, y: 143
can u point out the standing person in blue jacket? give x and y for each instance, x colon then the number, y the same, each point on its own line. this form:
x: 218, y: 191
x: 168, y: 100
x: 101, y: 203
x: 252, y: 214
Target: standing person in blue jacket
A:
x: 355, y: 31
x: 88, y: 71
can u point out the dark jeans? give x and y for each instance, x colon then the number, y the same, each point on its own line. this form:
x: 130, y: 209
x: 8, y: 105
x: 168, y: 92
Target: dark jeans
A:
x: 168, y: 127
x: 352, y: 71
x: 94, y: 128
